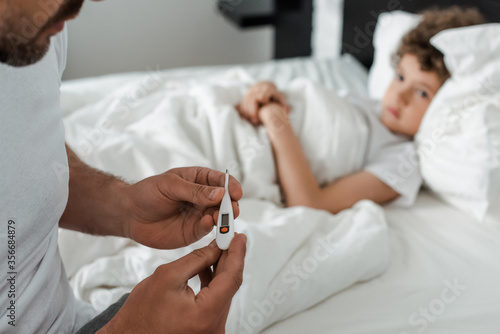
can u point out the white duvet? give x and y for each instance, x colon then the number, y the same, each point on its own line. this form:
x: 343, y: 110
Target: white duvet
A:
x: 296, y: 257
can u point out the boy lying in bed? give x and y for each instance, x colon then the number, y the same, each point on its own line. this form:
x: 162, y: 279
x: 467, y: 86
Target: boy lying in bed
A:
x: 419, y: 73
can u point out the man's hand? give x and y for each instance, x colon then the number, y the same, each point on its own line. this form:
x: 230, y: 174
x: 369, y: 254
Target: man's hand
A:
x: 164, y: 303
x: 178, y: 207
x: 257, y: 97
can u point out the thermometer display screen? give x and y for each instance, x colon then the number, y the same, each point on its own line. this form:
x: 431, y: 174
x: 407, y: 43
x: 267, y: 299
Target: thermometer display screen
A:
x: 225, y: 220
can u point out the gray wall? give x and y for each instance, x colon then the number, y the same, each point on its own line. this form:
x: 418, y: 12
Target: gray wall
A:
x: 115, y: 36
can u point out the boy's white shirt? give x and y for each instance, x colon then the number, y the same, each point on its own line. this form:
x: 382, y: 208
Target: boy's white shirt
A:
x: 34, y: 191
x: 341, y: 133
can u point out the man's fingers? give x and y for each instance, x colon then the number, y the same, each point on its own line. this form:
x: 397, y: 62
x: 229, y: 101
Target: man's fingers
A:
x: 217, y: 178
x: 211, y: 177
x: 186, y: 191
x: 194, y: 263
x: 206, y: 223
x: 228, y: 278
x: 203, y: 189
x: 236, y: 209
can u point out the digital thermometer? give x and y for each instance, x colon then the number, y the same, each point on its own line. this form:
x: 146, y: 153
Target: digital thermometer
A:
x: 225, y: 222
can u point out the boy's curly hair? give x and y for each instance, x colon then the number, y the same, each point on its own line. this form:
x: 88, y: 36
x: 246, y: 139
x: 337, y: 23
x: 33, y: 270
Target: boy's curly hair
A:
x: 417, y: 40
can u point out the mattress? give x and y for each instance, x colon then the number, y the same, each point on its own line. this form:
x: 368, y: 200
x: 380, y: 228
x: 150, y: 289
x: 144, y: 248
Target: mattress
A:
x: 443, y: 266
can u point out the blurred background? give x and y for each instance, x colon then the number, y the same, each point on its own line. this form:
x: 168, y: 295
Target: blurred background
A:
x: 115, y: 36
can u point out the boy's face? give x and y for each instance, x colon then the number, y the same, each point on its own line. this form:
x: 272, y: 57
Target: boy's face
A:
x: 408, y: 96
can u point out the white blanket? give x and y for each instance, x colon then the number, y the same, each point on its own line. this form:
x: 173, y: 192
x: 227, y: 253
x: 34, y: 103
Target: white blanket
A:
x: 296, y: 256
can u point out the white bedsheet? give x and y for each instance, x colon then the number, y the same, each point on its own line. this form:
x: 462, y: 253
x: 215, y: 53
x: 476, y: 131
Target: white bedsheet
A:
x: 178, y: 123
x: 432, y: 245
x: 296, y: 257
x: 334, y: 73
x: 442, y: 279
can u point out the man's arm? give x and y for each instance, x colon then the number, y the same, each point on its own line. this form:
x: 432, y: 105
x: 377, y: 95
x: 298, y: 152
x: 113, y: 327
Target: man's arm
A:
x: 170, y: 210
x: 94, y: 205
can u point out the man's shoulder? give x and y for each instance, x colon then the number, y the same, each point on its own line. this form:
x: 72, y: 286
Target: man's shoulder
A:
x: 60, y: 42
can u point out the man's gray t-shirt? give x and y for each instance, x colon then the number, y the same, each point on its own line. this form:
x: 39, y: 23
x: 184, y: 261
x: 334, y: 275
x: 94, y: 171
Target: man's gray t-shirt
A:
x: 35, y: 295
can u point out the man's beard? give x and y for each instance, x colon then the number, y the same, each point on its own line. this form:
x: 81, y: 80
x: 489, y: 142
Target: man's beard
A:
x: 19, y: 54
x: 18, y: 51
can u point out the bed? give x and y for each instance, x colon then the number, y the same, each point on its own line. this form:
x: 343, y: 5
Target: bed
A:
x: 430, y: 268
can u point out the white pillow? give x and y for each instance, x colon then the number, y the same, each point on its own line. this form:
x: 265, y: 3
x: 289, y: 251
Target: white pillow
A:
x: 459, y: 137
x: 390, y: 29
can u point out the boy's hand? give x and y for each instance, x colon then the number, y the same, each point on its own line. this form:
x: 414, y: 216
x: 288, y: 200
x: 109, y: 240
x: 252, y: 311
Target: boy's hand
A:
x: 164, y: 303
x: 273, y: 116
x: 259, y: 95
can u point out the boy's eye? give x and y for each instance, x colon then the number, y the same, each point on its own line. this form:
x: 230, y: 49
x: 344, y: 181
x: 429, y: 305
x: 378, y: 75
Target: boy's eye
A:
x: 422, y: 93
x: 399, y: 77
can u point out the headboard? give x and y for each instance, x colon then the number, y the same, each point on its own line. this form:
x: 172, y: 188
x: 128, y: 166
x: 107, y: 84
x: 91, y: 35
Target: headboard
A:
x: 293, y: 24
x: 360, y: 17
